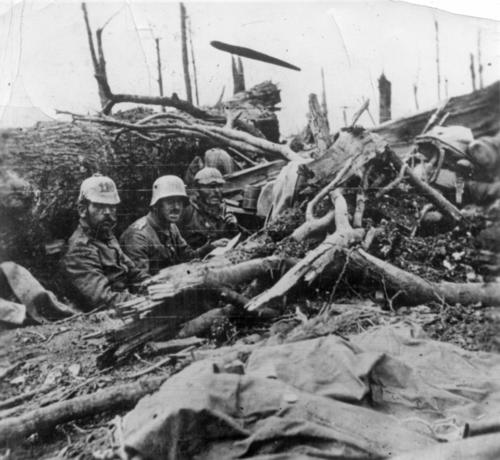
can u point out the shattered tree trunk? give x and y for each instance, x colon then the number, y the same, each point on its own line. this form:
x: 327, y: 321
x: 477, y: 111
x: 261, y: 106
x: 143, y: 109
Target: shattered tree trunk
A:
x: 177, y: 296
x: 318, y: 124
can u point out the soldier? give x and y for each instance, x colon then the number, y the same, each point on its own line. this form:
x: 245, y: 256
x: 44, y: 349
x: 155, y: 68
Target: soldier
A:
x: 465, y: 170
x: 154, y: 241
x: 206, y: 218
x: 98, y: 271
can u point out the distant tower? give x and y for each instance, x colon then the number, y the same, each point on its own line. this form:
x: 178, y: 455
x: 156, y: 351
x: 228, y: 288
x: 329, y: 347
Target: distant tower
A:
x: 384, y: 90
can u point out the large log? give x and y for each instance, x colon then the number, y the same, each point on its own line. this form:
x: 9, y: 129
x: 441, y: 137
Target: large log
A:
x: 409, y: 289
x: 44, y: 419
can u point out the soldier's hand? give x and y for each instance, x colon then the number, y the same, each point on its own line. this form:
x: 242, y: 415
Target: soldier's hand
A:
x: 220, y: 243
x: 230, y: 219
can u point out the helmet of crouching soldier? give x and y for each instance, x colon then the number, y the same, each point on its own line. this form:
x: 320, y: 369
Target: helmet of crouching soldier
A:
x: 209, y: 176
x: 168, y: 186
x: 99, y: 189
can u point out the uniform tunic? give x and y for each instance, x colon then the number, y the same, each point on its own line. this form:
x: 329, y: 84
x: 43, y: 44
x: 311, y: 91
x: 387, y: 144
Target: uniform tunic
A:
x: 152, y: 247
x: 97, y: 270
x: 199, y: 227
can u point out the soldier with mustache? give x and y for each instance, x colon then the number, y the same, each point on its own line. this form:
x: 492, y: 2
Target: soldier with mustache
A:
x: 154, y: 242
x: 206, y: 219
x: 96, y: 268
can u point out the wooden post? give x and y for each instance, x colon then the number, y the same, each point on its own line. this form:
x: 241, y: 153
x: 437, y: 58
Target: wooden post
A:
x: 472, y: 72
x: 384, y: 89
x: 193, y: 62
x: 479, y: 63
x: 323, y: 95
x: 415, y: 95
x: 436, y: 26
x: 241, y: 73
x: 238, y: 79
x: 158, y: 61
x: 185, y: 61
x: 318, y: 125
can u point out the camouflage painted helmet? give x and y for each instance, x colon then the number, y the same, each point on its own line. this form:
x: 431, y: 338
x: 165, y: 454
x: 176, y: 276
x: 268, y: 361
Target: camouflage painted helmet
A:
x: 99, y: 189
x: 207, y: 176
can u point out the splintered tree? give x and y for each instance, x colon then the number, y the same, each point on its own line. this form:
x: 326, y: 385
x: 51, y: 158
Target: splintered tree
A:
x: 193, y: 62
x: 185, y: 60
x: 109, y: 99
x: 238, y: 75
x: 384, y: 88
x: 99, y: 68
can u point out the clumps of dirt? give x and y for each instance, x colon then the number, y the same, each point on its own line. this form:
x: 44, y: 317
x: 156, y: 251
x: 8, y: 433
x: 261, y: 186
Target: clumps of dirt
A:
x: 444, y: 252
x: 466, y: 326
x: 285, y: 224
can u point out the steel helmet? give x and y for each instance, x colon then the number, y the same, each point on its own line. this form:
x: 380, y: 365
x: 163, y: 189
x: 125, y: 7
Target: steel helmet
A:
x: 99, y: 189
x: 454, y: 138
x: 219, y: 159
x: 208, y: 176
x: 166, y: 186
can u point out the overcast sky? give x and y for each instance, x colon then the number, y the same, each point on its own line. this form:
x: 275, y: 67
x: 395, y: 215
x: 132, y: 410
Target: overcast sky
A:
x: 44, y: 49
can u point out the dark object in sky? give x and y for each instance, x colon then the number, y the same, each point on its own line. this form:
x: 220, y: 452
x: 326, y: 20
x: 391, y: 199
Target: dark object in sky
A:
x: 252, y: 54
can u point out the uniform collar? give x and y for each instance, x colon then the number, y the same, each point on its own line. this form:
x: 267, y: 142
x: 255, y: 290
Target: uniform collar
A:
x: 154, y: 221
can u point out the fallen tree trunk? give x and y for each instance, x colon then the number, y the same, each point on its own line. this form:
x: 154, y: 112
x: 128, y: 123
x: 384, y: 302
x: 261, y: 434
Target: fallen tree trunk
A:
x: 45, y: 418
x: 409, y: 289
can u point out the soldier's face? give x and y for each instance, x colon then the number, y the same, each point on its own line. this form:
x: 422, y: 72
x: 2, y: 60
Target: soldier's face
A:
x: 101, y: 216
x: 170, y: 208
x: 211, y: 194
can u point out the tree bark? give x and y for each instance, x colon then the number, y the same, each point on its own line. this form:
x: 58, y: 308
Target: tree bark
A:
x: 185, y: 59
x: 97, y: 70
x: 44, y: 419
x: 409, y: 289
x: 318, y: 123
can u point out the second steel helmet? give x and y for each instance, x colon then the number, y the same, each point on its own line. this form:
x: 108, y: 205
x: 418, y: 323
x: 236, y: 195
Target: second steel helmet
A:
x: 168, y: 186
x: 99, y: 189
x: 207, y: 176
x: 454, y: 138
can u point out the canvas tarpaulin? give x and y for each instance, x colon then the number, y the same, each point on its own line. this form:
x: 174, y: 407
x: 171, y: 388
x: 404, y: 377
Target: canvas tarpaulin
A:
x: 35, y: 301
x: 383, y: 393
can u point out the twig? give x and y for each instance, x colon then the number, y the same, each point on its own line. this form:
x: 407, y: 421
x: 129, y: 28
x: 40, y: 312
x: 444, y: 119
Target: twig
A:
x: 359, y: 112
x: 326, y: 190
x: 149, y: 369
x: 423, y: 213
x: 10, y: 369
x: 39, y: 334
x: 60, y: 331
x: 394, y: 183
x: 337, y: 282
x: 16, y: 400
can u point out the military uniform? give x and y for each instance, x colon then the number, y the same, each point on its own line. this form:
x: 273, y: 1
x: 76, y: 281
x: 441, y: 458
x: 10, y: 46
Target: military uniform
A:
x: 152, y: 248
x: 97, y: 270
x: 198, y: 227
